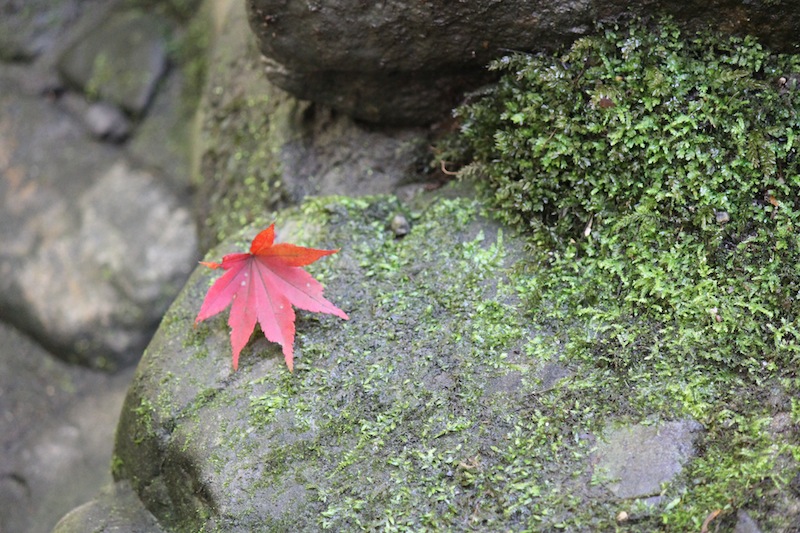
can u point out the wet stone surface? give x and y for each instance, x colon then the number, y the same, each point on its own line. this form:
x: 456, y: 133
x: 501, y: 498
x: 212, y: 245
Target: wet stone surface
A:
x: 637, y: 460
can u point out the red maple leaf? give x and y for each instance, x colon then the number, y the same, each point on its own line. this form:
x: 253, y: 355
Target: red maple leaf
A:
x: 263, y: 285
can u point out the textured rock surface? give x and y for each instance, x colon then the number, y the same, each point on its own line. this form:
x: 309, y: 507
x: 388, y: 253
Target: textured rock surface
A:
x: 413, y: 372
x: 425, y: 390
x: 56, y: 433
x: 121, y: 60
x: 409, y: 61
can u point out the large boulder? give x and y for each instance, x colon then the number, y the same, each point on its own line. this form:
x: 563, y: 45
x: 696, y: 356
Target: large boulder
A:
x: 414, y: 384
x: 424, y: 410
x: 408, y: 62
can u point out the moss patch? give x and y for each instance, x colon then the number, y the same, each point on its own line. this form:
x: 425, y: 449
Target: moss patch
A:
x: 656, y: 176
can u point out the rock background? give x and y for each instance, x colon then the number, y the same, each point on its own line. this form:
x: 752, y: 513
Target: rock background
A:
x: 83, y: 221
x: 96, y: 233
x: 56, y: 433
x: 409, y: 62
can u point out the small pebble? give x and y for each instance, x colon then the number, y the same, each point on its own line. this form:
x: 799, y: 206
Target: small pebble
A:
x: 622, y: 517
x: 107, y: 122
x: 723, y: 217
x: 400, y: 226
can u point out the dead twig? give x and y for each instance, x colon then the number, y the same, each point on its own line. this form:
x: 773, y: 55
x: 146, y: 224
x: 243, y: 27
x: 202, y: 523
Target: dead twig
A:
x: 715, y: 513
x: 445, y: 171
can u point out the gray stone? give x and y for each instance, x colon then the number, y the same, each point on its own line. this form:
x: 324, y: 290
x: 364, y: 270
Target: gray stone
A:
x: 56, y: 432
x: 130, y: 251
x: 91, y: 250
x: 133, y: 228
x: 408, y: 62
x: 102, y: 120
x: 116, y: 509
x: 338, y: 156
x: 636, y: 460
x: 107, y: 122
x: 45, y: 161
x: 745, y: 524
x: 399, y: 225
x: 30, y: 27
x: 121, y: 60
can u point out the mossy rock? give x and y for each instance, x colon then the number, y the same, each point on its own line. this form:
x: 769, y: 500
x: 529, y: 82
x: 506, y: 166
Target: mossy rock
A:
x: 414, y: 412
x: 480, y: 366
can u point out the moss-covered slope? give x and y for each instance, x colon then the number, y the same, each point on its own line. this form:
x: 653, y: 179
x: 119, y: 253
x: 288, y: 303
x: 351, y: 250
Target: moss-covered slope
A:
x: 657, y: 172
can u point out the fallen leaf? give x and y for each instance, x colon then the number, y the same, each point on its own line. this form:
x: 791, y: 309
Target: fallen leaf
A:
x: 262, y: 286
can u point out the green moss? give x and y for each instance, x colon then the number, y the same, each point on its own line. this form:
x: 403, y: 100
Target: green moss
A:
x: 189, y: 49
x: 657, y: 177
x: 144, y: 413
x: 117, y: 466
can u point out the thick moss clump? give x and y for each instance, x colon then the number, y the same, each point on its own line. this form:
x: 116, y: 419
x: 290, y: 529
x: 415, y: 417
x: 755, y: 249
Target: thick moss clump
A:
x: 665, y: 168
x: 657, y: 175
